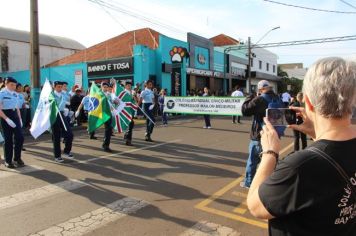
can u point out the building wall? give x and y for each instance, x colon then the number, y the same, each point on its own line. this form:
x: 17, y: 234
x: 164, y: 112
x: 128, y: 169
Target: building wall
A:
x: 266, y: 57
x: 19, y: 54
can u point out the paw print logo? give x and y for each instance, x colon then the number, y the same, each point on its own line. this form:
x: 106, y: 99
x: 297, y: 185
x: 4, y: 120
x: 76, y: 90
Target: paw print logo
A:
x: 177, y: 54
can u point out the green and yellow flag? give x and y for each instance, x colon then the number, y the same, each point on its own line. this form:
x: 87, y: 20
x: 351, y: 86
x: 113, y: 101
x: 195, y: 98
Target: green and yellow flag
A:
x: 99, y: 108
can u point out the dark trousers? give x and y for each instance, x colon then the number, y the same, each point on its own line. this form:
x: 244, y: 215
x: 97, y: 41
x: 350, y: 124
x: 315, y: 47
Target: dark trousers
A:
x: 108, y: 133
x: 149, y: 124
x: 92, y: 134
x: 58, y: 130
x: 128, y: 134
x: 164, y: 116
x: 299, y: 135
x: 11, y: 136
x: 234, y: 119
x: 207, y: 120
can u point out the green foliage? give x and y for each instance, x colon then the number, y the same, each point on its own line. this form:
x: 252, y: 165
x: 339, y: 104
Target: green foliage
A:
x: 296, y: 84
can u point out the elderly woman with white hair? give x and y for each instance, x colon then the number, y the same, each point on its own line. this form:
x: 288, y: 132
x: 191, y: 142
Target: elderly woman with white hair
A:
x: 312, y: 192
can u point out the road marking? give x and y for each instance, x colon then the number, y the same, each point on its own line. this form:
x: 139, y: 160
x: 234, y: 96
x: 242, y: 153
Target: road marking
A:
x: 204, y: 228
x: 39, y: 193
x: 204, y: 206
x: 95, y: 219
x: 241, y: 208
x: 22, y: 170
x: 128, y: 151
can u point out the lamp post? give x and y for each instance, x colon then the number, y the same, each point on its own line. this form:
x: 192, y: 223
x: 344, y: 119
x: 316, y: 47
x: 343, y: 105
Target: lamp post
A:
x: 249, y: 53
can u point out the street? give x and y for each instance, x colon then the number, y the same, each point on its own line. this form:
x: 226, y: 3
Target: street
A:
x: 185, y: 183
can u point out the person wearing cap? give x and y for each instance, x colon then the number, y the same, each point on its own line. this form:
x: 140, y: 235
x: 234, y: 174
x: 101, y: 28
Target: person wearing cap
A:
x: 12, y: 124
x: 60, y: 126
x: 148, y: 99
x: 256, y: 106
x: 75, y: 102
x: 128, y: 134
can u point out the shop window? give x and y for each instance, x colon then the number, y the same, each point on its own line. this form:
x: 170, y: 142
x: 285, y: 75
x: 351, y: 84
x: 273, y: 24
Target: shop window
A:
x: 260, y: 65
x: 267, y: 66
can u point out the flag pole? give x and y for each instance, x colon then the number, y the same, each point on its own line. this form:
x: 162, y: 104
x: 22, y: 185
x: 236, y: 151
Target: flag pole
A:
x: 146, y: 115
x: 60, y: 115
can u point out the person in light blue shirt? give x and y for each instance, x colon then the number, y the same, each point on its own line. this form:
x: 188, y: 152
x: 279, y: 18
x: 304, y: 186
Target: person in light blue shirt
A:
x: 11, y: 124
x: 147, y: 97
x: 61, y: 125
x: 86, y: 105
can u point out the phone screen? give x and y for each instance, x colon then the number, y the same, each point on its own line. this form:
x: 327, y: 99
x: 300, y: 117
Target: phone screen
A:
x: 281, y: 116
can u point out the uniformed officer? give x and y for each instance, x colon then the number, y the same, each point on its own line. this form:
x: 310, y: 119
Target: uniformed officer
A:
x: 58, y: 126
x: 148, y: 99
x: 12, y: 124
x: 108, y: 124
x: 128, y: 134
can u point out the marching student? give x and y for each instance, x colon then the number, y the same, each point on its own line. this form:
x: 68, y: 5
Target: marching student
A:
x: 12, y: 124
x: 161, y: 97
x: 61, y: 125
x: 85, y: 104
x: 108, y: 124
x: 128, y: 134
x: 148, y: 99
x: 21, y: 105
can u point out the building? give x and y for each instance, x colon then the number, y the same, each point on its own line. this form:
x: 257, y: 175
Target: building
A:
x: 139, y: 55
x: 294, y: 70
x: 15, y: 49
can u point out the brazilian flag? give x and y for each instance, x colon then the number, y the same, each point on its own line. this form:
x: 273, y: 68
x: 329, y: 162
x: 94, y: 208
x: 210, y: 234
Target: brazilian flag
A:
x: 99, y: 108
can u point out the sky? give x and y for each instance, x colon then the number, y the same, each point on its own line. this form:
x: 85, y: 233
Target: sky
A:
x: 89, y: 23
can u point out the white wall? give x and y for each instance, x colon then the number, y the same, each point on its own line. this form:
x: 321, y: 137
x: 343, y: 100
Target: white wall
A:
x: 266, y: 57
x: 19, y: 55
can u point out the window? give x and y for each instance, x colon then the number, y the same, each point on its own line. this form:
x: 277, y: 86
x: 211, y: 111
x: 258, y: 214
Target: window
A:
x: 251, y: 62
x: 274, y: 68
x: 260, y: 65
x: 267, y: 66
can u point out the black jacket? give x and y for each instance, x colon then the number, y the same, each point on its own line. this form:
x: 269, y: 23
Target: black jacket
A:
x: 256, y: 106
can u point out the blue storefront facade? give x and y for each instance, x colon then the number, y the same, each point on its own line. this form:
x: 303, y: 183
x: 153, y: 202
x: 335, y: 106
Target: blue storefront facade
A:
x: 178, y: 66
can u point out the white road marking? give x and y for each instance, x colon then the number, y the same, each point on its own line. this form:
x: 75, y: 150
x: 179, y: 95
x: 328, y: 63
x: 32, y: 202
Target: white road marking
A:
x: 22, y: 170
x: 95, y: 219
x: 205, y: 228
x: 39, y: 193
x: 128, y: 151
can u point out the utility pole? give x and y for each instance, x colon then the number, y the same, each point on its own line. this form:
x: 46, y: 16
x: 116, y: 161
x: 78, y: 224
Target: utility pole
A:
x: 35, y: 57
x: 249, y: 53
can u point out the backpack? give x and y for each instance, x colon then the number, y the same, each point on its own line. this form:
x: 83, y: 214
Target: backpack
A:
x: 275, y: 102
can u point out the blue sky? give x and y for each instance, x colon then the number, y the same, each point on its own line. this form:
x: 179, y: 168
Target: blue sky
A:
x: 89, y: 23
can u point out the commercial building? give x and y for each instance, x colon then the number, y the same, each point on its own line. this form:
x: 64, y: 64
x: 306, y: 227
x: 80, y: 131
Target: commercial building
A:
x: 15, y: 49
x: 144, y: 54
x: 294, y: 70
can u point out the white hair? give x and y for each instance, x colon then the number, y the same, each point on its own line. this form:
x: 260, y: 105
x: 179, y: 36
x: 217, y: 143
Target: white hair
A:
x: 330, y: 84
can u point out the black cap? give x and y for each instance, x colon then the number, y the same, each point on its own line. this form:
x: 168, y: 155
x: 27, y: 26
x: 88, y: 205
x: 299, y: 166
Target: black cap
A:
x: 11, y: 80
x: 105, y: 83
x: 55, y: 83
x: 128, y: 82
x: 63, y: 82
x: 18, y: 85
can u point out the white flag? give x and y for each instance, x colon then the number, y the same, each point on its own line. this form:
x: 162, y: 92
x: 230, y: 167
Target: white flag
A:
x: 42, y: 119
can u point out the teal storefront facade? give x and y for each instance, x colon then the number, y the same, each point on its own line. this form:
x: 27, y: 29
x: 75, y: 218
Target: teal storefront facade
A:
x: 175, y: 65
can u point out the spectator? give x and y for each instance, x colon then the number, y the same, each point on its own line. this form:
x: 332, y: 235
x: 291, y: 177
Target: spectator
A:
x: 27, y: 96
x: 237, y: 93
x: 256, y: 106
x: 161, y: 107
x: 286, y: 98
x: 206, y: 117
x: 304, y: 194
x: 299, y: 135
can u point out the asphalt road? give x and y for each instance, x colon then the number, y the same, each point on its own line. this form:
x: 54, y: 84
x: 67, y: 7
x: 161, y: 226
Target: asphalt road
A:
x: 185, y: 183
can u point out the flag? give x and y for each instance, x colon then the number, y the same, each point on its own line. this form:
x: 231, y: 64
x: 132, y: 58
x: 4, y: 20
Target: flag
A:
x: 46, y: 111
x: 125, y: 110
x: 99, y: 108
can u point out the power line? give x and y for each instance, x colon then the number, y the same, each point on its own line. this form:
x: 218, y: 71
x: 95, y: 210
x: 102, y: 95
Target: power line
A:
x: 349, y: 4
x: 310, y: 8
x: 135, y: 15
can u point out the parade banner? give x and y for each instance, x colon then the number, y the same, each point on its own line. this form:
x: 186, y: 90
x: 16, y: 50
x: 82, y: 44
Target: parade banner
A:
x: 228, y: 106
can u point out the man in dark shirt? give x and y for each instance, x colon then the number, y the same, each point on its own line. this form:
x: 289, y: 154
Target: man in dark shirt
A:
x: 312, y: 192
x: 75, y: 101
x: 255, y: 106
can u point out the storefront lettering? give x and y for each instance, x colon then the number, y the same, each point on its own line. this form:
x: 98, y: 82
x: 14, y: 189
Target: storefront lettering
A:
x: 111, y: 67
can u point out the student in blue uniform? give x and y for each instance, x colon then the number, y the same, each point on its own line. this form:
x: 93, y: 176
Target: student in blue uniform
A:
x: 148, y: 99
x: 58, y: 126
x: 12, y: 124
x: 21, y: 105
x: 85, y: 104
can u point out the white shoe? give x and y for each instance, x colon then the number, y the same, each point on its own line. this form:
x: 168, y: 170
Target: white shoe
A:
x: 209, y: 127
x: 68, y: 155
x: 205, y: 127
x: 58, y: 159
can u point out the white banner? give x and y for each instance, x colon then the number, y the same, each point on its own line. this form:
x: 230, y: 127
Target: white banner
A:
x: 227, y: 106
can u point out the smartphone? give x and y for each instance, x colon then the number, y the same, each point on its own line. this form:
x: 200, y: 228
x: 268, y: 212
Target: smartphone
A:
x: 281, y: 116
